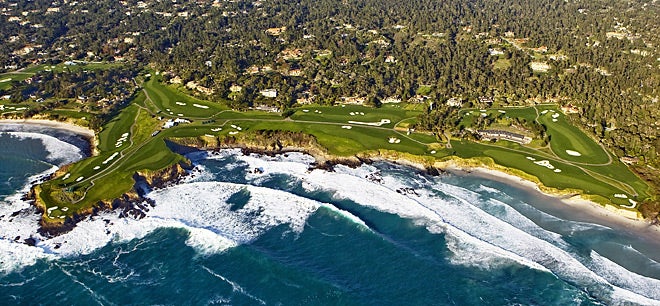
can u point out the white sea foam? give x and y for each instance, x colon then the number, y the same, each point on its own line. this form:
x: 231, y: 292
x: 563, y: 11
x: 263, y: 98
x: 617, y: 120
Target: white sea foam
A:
x: 475, y: 237
x: 199, y: 208
x: 58, y: 151
x: 488, y: 189
x: 353, y: 218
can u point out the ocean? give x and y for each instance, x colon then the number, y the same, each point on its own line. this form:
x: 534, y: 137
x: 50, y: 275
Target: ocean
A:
x: 268, y: 230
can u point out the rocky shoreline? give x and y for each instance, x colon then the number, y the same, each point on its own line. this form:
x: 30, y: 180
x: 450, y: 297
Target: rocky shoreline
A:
x: 134, y: 204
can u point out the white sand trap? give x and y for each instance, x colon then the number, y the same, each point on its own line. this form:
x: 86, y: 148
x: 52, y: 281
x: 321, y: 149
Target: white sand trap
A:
x: 620, y: 196
x: 233, y: 126
x: 433, y: 152
x: 305, y: 111
x: 531, y: 158
x: 633, y: 202
x: 64, y: 209
x: 50, y: 210
x: 80, y: 179
x: 124, y: 135
x: 557, y: 170
x: 394, y: 140
x: 97, y: 168
x: 545, y: 163
x: 180, y: 103
x: 5, y: 80
x: 555, y: 115
x: 544, y: 112
x: 502, y: 111
x: 200, y: 106
x: 180, y: 115
x: 239, y: 128
x: 573, y: 153
x: 554, y: 120
x: 348, y: 127
x: 110, y: 158
x: 482, y: 110
x: 352, y: 113
x: 167, y: 109
x: 209, y: 135
x: 233, y: 133
x: 66, y: 176
x: 361, y: 113
x: 216, y: 130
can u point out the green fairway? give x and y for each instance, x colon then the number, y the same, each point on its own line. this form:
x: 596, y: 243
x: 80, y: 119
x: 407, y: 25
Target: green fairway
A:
x: 172, y: 103
x: 386, y: 116
x: 570, y: 143
x: 128, y: 143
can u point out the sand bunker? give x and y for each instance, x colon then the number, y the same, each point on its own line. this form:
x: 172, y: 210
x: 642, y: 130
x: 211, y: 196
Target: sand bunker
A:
x: 573, y: 153
x: 545, y: 163
x: 200, y: 106
x: 348, y: 127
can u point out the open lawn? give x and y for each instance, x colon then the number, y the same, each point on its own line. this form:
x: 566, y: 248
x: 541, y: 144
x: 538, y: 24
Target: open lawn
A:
x: 127, y: 144
x: 172, y: 103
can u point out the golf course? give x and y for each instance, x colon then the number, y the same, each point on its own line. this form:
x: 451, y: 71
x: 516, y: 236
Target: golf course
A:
x: 135, y: 141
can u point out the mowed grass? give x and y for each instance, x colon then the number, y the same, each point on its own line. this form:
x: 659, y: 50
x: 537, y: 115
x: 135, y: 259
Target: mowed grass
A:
x: 570, y: 177
x: 140, y: 151
x: 598, y: 177
x: 346, y: 113
x: 565, y: 136
x: 173, y: 103
x: 109, y: 175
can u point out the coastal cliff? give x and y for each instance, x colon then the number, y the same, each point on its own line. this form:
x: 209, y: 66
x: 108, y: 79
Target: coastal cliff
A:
x: 131, y: 204
x: 134, y: 204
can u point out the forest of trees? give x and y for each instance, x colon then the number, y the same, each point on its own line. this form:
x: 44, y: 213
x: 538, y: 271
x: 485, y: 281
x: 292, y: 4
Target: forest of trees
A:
x: 602, y: 55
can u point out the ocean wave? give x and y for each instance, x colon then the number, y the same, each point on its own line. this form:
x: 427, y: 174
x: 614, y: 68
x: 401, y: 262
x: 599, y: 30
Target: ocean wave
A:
x: 201, y: 208
x: 59, y: 152
x: 475, y: 237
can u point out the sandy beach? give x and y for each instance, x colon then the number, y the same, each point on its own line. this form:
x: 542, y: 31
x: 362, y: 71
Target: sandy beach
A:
x: 575, y: 206
x: 53, y: 124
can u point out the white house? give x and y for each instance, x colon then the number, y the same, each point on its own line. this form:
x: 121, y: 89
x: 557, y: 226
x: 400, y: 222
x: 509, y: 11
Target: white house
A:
x: 269, y: 93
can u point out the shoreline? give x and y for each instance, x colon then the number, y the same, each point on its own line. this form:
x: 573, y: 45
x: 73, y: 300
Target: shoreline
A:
x: 573, y: 199
x: 83, y: 131
x: 77, y: 129
x: 582, y: 209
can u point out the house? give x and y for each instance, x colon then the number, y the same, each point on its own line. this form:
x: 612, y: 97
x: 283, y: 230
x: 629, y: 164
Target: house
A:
x: 275, y: 31
x: 392, y: 99
x: 291, y: 54
x: 539, y: 66
x: 168, y: 124
x: 499, y: 134
x: 352, y: 100
x: 266, y: 108
x: 486, y: 100
x: 541, y: 49
x: 495, y: 52
x: 629, y: 160
x: 269, y: 93
x: 294, y: 72
x: 454, y: 102
x: 570, y: 109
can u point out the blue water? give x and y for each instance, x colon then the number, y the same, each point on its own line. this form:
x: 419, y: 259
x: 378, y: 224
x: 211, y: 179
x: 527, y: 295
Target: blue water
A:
x: 289, y: 236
